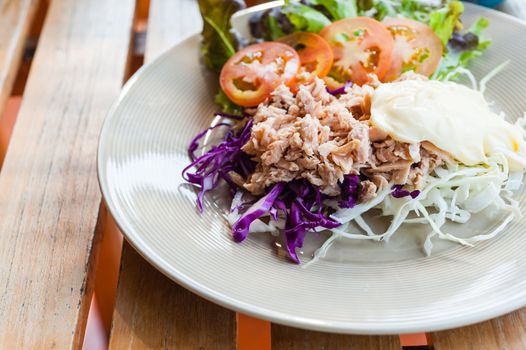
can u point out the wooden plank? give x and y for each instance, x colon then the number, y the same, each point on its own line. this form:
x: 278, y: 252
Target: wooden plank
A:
x: 50, y: 198
x: 169, y: 23
x: 287, y: 338
x: 508, y: 332
x: 15, y: 21
x: 153, y: 312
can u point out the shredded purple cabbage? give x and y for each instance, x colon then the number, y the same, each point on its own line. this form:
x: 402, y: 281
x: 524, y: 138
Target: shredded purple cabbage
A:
x: 219, y: 161
x: 349, y: 191
x: 399, y: 192
x: 299, y: 203
x: 194, y: 144
x: 305, y: 213
x: 261, y: 207
x: 340, y: 90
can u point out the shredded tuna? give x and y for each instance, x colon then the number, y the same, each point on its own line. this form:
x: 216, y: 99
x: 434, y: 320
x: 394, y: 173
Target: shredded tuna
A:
x: 319, y: 137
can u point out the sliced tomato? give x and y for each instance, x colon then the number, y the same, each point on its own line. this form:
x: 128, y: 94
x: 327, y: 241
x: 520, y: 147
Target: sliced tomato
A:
x: 361, y: 46
x: 416, y: 48
x: 315, y: 55
x: 249, y: 76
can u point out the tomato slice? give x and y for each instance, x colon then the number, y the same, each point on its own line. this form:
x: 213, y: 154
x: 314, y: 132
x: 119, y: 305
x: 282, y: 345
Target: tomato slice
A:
x: 249, y: 76
x: 361, y: 46
x: 315, y: 55
x: 417, y: 48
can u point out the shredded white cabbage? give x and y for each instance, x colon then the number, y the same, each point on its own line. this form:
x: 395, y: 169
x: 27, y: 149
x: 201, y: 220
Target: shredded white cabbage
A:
x: 464, y: 71
x: 484, y: 81
x: 454, y: 192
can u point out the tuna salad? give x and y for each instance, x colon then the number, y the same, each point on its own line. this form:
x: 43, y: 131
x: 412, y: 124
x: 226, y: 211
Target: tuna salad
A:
x: 330, y: 110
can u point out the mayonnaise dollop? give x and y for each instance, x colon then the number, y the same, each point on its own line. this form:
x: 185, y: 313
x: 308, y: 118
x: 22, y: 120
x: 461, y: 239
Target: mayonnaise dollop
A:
x: 452, y: 117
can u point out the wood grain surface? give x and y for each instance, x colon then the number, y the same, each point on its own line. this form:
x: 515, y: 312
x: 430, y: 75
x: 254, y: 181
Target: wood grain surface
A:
x: 49, y: 195
x: 16, y: 17
x: 287, y: 338
x: 153, y: 312
x: 504, y: 333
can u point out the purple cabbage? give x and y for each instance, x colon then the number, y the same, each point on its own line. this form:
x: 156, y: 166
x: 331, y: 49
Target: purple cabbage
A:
x: 294, y: 232
x: 305, y: 213
x: 299, y: 203
x: 194, y: 144
x: 260, y: 208
x: 399, y: 192
x: 340, y: 90
x: 215, y: 164
x: 349, y: 191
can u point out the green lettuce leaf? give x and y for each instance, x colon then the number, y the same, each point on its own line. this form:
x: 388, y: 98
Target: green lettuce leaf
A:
x: 460, y: 58
x: 305, y: 18
x: 218, y: 43
x: 338, y: 9
x: 226, y: 105
x: 445, y: 20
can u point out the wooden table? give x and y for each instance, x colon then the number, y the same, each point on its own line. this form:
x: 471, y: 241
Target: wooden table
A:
x: 54, y: 232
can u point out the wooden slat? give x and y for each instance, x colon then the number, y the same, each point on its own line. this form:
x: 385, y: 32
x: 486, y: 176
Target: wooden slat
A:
x: 508, y: 332
x: 153, y: 312
x: 49, y: 195
x: 15, y: 21
x: 287, y: 338
x: 170, y: 22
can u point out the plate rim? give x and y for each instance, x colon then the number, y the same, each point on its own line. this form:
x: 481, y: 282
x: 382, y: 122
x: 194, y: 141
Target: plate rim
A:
x: 340, y: 327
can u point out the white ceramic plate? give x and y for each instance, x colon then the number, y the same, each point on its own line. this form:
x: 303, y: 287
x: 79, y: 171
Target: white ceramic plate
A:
x: 359, y: 287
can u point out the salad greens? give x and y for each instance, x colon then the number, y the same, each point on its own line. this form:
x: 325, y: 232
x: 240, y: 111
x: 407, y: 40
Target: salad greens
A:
x: 227, y: 106
x: 445, y: 20
x: 337, y: 9
x: 443, y: 16
x: 305, y: 18
x: 218, y: 42
x: 463, y: 48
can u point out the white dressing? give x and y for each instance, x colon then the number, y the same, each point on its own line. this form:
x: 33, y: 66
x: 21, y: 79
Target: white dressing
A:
x: 451, y: 116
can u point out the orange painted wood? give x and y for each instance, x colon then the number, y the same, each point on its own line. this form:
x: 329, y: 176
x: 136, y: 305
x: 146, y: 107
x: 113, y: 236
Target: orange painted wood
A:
x: 50, y: 198
x: 416, y: 339
x: 15, y: 21
x: 252, y: 333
